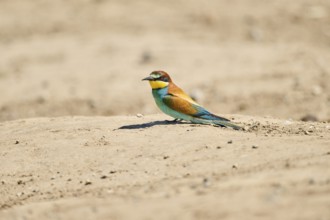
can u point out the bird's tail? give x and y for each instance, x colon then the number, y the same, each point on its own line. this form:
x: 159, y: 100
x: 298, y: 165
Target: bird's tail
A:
x: 216, y: 120
x: 226, y: 124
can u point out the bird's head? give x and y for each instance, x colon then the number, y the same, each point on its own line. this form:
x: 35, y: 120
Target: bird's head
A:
x: 158, y: 79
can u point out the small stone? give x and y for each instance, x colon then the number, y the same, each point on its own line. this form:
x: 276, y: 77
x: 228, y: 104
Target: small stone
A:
x: 16, y: 142
x: 19, y: 182
x: 230, y: 142
x: 311, y: 181
x: 288, y: 122
x: 309, y: 117
x: 139, y: 115
x: 20, y: 194
x: 287, y: 164
x: 69, y: 179
x: 218, y: 147
x: 40, y: 100
x: 186, y: 175
x: 166, y: 157
x: 256, y: 34
x: 306, y: 132
x: 104, y: 177
x: 254, y: 146
x: 112, y: 172
x: 234, y: 166
x: 317, y: 90
x: 88, y: 182
x: 206, y: 182
x: 311, y: 129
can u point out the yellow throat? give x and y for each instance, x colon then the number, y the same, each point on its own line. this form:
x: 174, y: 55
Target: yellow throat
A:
x: 158, y: 84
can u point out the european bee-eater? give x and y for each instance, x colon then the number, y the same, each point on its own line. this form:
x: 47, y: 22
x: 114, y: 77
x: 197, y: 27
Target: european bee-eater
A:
x: 174, y: 102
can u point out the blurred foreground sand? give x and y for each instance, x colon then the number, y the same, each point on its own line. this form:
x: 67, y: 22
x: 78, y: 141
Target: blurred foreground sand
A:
x: 87, y: 168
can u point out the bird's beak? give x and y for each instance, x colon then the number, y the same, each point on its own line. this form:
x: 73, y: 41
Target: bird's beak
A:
x: 148, y: 78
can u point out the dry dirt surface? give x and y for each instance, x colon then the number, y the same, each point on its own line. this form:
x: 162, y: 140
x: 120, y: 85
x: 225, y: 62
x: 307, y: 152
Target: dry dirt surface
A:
x: 79, y: 134
x: 144, y: 168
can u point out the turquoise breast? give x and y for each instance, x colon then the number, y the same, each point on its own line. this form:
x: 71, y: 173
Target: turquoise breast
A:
x: 158, y: 95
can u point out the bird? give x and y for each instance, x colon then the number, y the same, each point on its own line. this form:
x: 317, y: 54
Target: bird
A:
x: 173, y: 101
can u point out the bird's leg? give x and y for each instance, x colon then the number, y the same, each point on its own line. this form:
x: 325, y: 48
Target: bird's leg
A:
x: 174, y: 121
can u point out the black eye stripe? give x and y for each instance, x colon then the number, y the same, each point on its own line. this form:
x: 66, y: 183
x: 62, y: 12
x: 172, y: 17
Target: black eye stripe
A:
x: 160, y: 78
x: 164, y: 79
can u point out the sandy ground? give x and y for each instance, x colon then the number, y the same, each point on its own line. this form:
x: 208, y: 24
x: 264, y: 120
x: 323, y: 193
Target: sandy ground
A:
x: 70, y: 76
x: 142, y: 168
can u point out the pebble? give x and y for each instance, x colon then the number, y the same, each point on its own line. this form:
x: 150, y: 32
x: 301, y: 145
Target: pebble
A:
x: 139, y: 115
x: 306, y: 132
x: 206, y: 182
x: 288, y: 122
x: 16, y: 142
x: 234, y: 166
x: 254, y: 146
x: 19, y: 194
x: 88, y: 182
x: 317, y: 90
x: 311, y: 181
x: 309, y: 117
x: 230, y: 142
x: 256, y: 34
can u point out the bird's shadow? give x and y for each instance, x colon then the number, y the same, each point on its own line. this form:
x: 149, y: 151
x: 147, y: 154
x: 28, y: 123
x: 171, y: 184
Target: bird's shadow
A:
x: 151, y: 124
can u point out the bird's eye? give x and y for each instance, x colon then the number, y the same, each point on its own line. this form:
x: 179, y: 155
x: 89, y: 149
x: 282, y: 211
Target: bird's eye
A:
x: 164, y: 79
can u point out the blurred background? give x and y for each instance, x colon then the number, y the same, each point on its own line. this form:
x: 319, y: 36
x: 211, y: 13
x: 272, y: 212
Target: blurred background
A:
x: 87, y: 57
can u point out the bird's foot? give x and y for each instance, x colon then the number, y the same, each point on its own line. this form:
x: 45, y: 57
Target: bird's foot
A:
x: 173, y: 121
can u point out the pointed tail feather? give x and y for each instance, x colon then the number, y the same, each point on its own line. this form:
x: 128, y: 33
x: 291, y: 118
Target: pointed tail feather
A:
x: 222, y: 123
x: 227, y: 124
x: 206, y: 117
